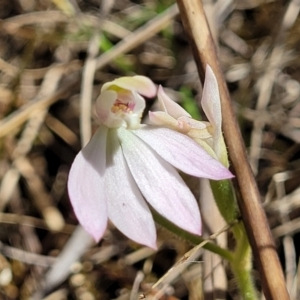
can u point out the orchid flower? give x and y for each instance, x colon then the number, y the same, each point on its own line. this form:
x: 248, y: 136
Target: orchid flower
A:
x: 207, y: 134
x: 127, y: 162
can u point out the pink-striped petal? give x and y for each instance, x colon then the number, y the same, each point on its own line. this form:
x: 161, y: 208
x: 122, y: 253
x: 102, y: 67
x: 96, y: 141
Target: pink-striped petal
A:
x: 140, y: 84
x: 86, y: 185
x: 126, y: 206
x: 183, y: 153
x: 160, y: 183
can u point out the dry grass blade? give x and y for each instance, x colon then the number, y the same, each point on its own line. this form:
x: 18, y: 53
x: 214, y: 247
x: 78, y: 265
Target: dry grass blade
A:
x: 26, y: 257
x: 87, y: 90
x: 89, y: 70
x: 139, y: 36
x: 288, y: 244
x: 24, y: 145
x: 275, y: 64
x: 32, y: 222
x: 61, y: 268
x: 17, y: 118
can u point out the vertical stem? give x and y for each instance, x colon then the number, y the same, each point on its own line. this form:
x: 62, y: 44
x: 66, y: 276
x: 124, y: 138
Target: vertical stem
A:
x: 244, y: 281
x: 242, y: 264
x: 255, y: 220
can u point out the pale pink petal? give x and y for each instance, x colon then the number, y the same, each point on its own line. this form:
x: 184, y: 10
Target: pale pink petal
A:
x: 211, y: 99
x: 140, y: 84
x: 211, y: 105
x: 169, y: 106
x: 183, y: 153
x: 86, y: 185
x: 126, y: 206
x: 160, y: 183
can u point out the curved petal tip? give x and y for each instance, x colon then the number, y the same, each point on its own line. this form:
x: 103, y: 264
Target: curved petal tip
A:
x: 141, y: 84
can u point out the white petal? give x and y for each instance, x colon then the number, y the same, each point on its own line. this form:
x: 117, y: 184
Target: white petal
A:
x: 160, y: 183
x: 211, y: 105
x: 211, y: 98
x: 169, y: 106
x: 86, y: 185
x: 126, y: 206
x: 183, y: 153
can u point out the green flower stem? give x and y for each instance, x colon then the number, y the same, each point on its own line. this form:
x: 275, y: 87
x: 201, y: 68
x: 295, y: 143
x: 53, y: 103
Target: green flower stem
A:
x: 193, y: 239
x: 241, y: 264
x: 225, y: 199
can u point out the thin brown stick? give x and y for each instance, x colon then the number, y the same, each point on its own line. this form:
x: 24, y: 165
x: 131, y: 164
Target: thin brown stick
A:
x: 255, y: 220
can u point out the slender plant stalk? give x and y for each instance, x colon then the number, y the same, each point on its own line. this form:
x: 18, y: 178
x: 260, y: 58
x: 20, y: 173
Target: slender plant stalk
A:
x: 255, y: 220
x: 241, y: 264
x: 225, y: 199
